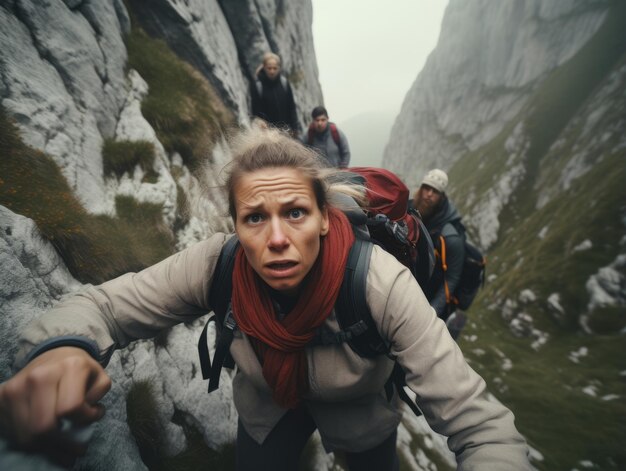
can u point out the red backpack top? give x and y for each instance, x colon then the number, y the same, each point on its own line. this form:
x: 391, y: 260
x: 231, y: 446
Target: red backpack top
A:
x: 391, y: 223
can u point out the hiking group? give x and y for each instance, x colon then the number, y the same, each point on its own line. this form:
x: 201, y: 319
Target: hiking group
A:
x: 332, y: 295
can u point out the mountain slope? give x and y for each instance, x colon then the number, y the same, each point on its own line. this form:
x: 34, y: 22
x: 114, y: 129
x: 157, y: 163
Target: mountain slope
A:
x: 545, y: 195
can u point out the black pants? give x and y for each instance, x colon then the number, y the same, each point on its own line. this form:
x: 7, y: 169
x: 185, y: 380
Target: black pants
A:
x: 282, y: 448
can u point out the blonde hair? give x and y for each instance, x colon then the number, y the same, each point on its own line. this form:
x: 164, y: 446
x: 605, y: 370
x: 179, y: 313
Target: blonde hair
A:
x: 270, y: 56
x: 256, y: 149
x: 266, y: 57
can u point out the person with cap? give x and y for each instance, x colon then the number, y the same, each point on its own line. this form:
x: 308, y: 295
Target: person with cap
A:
x: 442, y: 220
x: 327, y: 139
x: 272, y: 97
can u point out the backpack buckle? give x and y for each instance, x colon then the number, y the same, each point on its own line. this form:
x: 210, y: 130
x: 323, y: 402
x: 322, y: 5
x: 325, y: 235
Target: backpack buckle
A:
x: 229, y: 320
x: 399, y: 231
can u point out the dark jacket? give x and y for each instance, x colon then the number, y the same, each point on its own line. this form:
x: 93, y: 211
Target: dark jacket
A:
x: 443, y: 223
x: 275, y: 104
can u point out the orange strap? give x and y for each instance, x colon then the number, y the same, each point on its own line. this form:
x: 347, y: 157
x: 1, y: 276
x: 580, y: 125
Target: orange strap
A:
x: 444, y: 265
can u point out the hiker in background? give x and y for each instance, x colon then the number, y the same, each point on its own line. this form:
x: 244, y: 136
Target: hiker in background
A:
x: 287, y: 276
x: 327, y: 139
x: 272, y: 97
x: 440, y: 217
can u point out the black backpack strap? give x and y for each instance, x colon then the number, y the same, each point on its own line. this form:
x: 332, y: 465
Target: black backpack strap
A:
x: 353, y: 313
x: 219, y: 299
x: 222, y: 285
x: 398, y: 381
x: 203, y: 350
x: 222, y: 349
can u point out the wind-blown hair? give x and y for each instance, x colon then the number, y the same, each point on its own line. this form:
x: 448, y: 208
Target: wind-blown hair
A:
x: 257, y: 149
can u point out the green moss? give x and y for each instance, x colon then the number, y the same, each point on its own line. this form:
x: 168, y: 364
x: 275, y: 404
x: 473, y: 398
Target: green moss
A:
x: 607, y: 320
x: 129, y: 209
x: 143, y: 422
x: 182, y: 208
x: 94, y: 248
x: 119, y: 157
x: 185, y: 112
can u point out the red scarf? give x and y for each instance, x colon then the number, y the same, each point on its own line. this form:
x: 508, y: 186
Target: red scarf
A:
x: 280, y: 344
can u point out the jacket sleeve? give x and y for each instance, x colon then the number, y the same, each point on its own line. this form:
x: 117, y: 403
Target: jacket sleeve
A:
x: 293, y: 113
x: 344, y: 151
x: 132, y: 306
x: 455, y: 255
x: 257, y: 109
x: 452, y: 396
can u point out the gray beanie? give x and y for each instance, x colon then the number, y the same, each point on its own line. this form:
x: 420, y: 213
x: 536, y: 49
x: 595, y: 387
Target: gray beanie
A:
x: 436, y: 179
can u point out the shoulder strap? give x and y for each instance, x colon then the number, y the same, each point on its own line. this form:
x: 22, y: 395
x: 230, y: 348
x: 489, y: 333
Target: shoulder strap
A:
x: 444, y: 267
x: 222, y: 285
x: 353, y: 314
x: 334, y: 132
x: 219, y: 298
x: 355, y: 318
x: 426, y: 259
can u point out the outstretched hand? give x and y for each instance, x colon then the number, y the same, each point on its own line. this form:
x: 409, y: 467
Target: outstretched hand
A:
x: 61, y: 384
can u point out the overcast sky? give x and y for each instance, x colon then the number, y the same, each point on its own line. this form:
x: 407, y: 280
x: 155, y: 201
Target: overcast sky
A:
x: 369, y: 52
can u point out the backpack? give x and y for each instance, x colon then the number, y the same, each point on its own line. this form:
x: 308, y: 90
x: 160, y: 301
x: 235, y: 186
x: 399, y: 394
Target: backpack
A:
x: 334, y: 132
x: 472, y: 276
x: 259, y: 84
x: 393, y: 226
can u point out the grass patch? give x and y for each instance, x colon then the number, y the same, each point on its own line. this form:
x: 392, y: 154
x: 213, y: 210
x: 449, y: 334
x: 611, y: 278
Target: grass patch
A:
x: 144, y: 425
x: 545, y: 391
x: 182, y: 208
x: 94, y: 248
x: 119, y: 157
x: 129, y: 209
x: 181, y: 106
x: 549, y: 264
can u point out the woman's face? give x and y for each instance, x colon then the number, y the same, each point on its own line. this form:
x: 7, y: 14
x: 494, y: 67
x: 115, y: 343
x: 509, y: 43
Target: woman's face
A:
x: 279, y: 225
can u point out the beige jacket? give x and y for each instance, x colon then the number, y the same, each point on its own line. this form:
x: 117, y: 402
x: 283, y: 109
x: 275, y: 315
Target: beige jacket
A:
x: 346, y: 397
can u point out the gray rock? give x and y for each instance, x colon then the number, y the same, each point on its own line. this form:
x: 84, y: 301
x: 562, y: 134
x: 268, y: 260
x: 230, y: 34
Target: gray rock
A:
x: 476, y: 80
x: 33, y: 277
x: 63, y: 81
x: 197, y: 32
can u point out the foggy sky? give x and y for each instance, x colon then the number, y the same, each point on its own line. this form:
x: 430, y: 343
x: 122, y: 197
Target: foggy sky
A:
x: 369, y: 52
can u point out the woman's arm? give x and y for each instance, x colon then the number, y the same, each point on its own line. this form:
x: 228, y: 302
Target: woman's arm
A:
x: 132, y: 306
x: 58, y: 381
x: 452, y: 396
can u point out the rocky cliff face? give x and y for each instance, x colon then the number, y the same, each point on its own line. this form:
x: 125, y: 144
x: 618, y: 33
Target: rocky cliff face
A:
x: 67, y: 84
x: 64, y: 76
x: 488, y: 59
